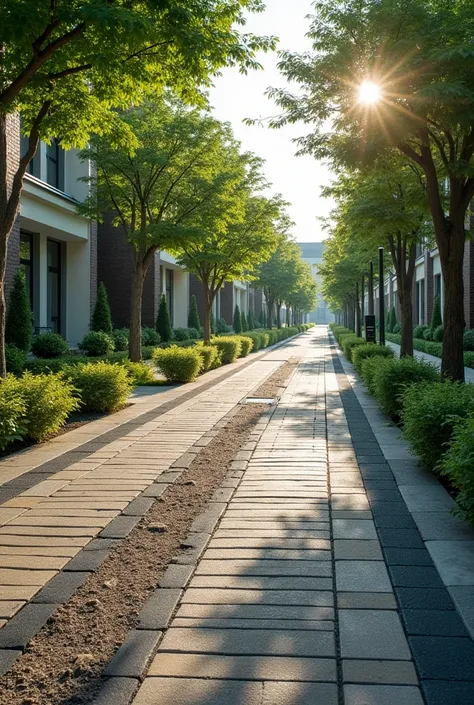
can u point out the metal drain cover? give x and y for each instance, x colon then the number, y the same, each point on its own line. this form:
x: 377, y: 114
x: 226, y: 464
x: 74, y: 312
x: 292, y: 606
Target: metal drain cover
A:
x: 259, y: 400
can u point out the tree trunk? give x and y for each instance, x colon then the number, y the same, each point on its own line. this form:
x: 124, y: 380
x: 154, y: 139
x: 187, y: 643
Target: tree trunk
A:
x: 135, y: 340
x: 405, y: 270
x: 406, y: 308
x: 269, y: 314
x: 4, y: 235
x: 452, y: 361
x: 208, y: 300
x: 278, y: 315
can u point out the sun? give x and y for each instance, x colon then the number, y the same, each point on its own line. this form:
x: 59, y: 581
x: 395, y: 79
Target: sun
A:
x: 369, y: 93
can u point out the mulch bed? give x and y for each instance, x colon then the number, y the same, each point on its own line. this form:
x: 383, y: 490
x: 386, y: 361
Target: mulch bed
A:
x: 64, y: 661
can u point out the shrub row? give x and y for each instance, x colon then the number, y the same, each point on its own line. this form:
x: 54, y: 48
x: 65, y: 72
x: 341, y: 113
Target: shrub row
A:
x: 433, y: 348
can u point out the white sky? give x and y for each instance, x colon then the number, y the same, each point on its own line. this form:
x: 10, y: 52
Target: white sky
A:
x: 236, y: 97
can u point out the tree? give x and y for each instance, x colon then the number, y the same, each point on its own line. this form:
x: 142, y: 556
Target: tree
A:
x: 163, y: 321
x: 101, y: 318
x: 391, y: 320
x: 420, y: 55
x: 436, y: 319
x: 156, y: 190
x: 193, y: 315
x: 19, y: 323
x: 66, y: 65
x: 237, y: 320
x: 244, y: 324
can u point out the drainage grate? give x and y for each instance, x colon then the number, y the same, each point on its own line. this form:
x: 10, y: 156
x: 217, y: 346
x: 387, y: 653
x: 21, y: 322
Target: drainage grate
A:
x: 259, y: 400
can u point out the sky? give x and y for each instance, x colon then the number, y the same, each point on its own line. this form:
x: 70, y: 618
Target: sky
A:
x: 236, y: 97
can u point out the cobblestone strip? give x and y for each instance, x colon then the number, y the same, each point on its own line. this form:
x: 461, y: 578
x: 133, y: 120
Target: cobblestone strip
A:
x: 380, y: 556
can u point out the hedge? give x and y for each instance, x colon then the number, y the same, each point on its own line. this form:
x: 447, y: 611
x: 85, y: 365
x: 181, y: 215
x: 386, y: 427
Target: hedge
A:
x: 390, y: 381
x: 457, y: 465
x: 349, y: 342
x: 49, y: 399
x: 363, y: 352
x: 101, y: 386
x: 210, y: 355
x: 49, y: 345
x: 178, y: 364
x: 229, y: 346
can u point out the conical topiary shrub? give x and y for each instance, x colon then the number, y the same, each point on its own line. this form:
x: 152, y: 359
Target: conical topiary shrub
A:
x: 391, y: 320
x: 243, y: 319
x: 237, y: 322
x: 436, y: 319
x: 250, y: 321
x: 163, y: 321
x: 19, y: 323
x: 101, y: 318
x: 261, y: 319
x: 193, y: 315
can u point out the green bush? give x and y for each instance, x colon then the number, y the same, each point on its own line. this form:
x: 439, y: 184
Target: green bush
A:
x: 391, y: 380
x: 419, y: 331
x: 180, y: 334
x: 229, y: 347
x: 101, y: 386
x: 194, y: 333
x: 397, y: 328
x: 272, y: 336
x: 150, y: 337
x: 243, y: 319
x: 12, y: 412
x: 120, y: 337
x: 237, y: 321
x: 265, y: 339
x: 178, y: 364
x: 49, y: 400
x: 163, y: 321
x: 469, y: 359
x: 222, y: 327
x: 362, y: 352
x: 369, y: 368
x: 96, y: 343
x: 140, y: 373
x: 101, y: 318
x: 436, y: 319
x: 468, y: 340
x: 457, y: 465
x: 15, y: 359
x: 49, y: 345
x: 438, y: 334
x: 428, y: 334
x: 19, y: 322
x: 250, y: 321
x: 350, y: 342
x: 210, y: 356
x: 193, y: 314
x: 257, y: 339
x: 435, y: 349
x: 430, y: 412
x: 246, y: 344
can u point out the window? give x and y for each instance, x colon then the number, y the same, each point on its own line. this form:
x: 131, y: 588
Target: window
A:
x: 33, y: 167
x: 169, y: 292
x: 420, y: 301
x: 55, y: 165
x: 26, y: 262
x: 54, y: 286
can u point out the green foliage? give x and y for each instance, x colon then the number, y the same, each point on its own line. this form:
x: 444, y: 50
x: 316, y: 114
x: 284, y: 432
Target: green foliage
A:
x: 194, y: 333
x: 210, y: 356
x: 222, y: 327
x: 250, y: 321
x: 430, y: 412
x: 15, y: 358
x: 257, y: 338
x: 391, y: 320
x: 469, y: 359
x: 101, y: 386
x: 246, y: 345
x: 96, y: 343
x: 397, y: 328
x: 244, y: 324
x: 349, y: 342
x: 369, y: 368
x: 163, y: 321
x: 193, y: 315
x: 49, y: 345
x: 362, y: 352
x: 457, y: 464
x: 12, y: 412
x: 140, y: 373
x: 120, y: 337
x: 102, y: 319
x: 419, y: 331
x: 438, y: 334
x: 436, y: 319
x: 392, y: 379
x: 19, y: 323
x: 49, y: 399
x: 181, y: 334
x: 468, y: 340
x: 237, y: 321
x: 150, y: 337
x: 229, y: 347
x: 178, y: 364
x: 428, y: 334
x: 261, y: 319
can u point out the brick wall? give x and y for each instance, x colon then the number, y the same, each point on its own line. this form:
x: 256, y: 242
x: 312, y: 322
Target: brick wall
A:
x: 13, y: 159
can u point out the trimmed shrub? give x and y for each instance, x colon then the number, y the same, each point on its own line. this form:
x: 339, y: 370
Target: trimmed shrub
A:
x: 237, y: 321
x: 222, y: 327
x: 265, y: 339
x: 210, y: 356
x: 435, y: 349
x: 436, y: 319
x: 257, y: 339
x: 430, y: 413
x: 428, y: 334
x: 369, y: 368
x: 229, y: 347
x: 49, y: 345
x: 194, y: 333
x: 362, y: 352
x: 469, y: 359
x: 419, y: 331
x: 15, y: 359
x: 180, y: 334
x: 120, y: 337
x: 468, y: 340
x: 19, y: 322
x: 244, y: 322
x: 250, y: 321
x: 150, y: 337
x: 397, y: 328
x: 12, y: 412
x: 140, y: 373
x: 438, y: 334
x: 350, y: 342
x: 101, y: 386
x: 246, y: 344
x: 193, y: 314
x: 178, y: 364
x: 96, y: 343
x: 391, y: 380
x: 391, y: 320
x: 457, y: 464
x: 163, y: 321
x: 49, y: 399
x: 101, y: 318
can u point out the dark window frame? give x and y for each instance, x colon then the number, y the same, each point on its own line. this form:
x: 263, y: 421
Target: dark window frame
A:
x: 55, y: 270
x: 55, y: 161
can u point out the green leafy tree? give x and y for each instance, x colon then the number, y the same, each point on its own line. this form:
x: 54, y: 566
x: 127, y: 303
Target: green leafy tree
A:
x: 66, y: 65
x: 163, y: 321
x: 237, y: 320
x: 19, y: 323
x: 193, y: 315
x: 101, y: 318
x: 419, y: 56
x: 436, y: 319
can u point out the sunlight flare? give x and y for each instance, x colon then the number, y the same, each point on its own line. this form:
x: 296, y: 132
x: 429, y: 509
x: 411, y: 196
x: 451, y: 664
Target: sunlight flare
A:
x: 369, y: 93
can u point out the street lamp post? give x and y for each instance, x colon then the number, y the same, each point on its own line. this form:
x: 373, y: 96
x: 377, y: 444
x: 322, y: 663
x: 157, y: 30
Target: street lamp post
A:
x: 381, y: 299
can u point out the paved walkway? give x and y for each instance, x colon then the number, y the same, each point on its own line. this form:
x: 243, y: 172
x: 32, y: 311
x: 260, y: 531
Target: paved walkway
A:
x: 316, y: 587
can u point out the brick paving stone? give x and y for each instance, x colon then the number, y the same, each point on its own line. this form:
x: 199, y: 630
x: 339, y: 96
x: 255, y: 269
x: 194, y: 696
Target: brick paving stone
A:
x: 366, y: 600
x: 277, y: 568
x: 87, y: 561
x: 389, y: 672
x: 382, y: 695
x: 7, y: 659
x: 120, y: 527
x: 61, y: 588
x: 354, y: 529
x: 434, y: 622
x: 24, y: 625
x: 357, y: 550
x: 362, y: 576
x: 372, y: 634
x: 443, y: 658
x: 262, y: 582
x: 116, y: 691
x: 133, y: 656
x: 176, y: 576
x: 438, y: 692
x: 157, y: 611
